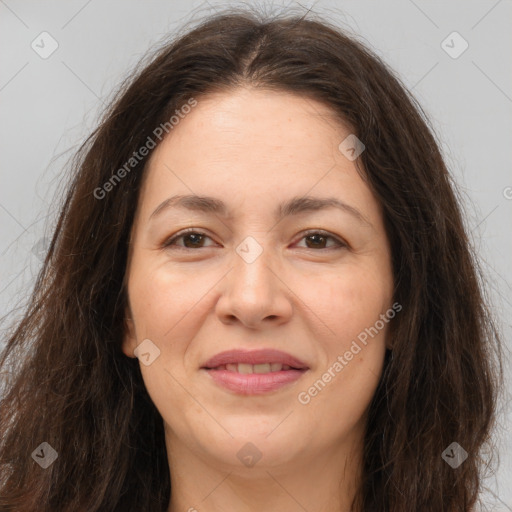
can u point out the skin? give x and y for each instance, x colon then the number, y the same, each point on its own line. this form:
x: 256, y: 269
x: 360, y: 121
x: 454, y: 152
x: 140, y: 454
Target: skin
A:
x: 311, y: 298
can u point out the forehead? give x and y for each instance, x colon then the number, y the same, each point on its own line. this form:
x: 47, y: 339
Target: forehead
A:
x: 254, y: 146
x: 252, y: 118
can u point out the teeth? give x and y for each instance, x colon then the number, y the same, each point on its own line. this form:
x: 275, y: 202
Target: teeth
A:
x: 254, y: 368
x: 261, y: 368
x: 245, y: 368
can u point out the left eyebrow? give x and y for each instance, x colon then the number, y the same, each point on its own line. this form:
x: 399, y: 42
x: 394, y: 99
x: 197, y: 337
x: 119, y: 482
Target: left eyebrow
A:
x: 293, y: 206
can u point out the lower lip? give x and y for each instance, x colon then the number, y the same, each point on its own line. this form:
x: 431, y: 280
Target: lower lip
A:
x: 254, y: 383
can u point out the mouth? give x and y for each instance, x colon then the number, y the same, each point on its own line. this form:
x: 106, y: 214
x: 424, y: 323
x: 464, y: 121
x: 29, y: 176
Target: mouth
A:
x: 259, y: 361
x: 254, y: 372
x: 245, y: 368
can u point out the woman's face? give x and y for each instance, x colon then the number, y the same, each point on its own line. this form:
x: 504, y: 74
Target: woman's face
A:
x: 263, y: 269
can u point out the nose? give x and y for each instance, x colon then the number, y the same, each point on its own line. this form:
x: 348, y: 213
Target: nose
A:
x: 255, y: 293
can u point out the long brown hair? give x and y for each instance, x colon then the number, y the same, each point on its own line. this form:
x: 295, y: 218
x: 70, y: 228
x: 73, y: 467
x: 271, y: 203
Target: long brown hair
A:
x: 74, y: 389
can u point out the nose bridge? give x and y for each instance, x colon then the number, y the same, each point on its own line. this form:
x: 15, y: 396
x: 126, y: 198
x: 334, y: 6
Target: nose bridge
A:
x: 252, y: 291
x: 253, y: 266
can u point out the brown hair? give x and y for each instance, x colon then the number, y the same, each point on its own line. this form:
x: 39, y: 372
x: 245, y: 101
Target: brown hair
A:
x: 74, y: 388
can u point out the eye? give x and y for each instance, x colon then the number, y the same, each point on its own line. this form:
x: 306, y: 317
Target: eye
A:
x: 318, y: 239
x: 193, y: 239
x: 190, y: 235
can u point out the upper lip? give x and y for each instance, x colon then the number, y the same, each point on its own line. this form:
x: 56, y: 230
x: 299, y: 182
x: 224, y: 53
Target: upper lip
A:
x: 254, y: 357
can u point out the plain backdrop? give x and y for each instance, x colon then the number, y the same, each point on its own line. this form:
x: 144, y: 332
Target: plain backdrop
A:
x: 49, y: 103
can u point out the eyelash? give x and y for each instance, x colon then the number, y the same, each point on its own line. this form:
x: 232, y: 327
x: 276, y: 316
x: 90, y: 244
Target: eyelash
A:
x: 169, y: 243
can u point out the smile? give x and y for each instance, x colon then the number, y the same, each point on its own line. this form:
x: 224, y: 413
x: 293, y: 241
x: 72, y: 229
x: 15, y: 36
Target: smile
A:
x: 254, y: 368
x: 258, y: 379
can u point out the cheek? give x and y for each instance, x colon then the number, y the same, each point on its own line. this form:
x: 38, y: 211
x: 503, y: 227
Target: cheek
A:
x: 164, y: 305
x: 349, y: 302
x: 162, y: 301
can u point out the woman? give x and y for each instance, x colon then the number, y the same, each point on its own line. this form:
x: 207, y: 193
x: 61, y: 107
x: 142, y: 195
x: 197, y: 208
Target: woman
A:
x: 259, y: 296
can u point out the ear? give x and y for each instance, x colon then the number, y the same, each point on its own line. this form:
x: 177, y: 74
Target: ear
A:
x: 129, y: 337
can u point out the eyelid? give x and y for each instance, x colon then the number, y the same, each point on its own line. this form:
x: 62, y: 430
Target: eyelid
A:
x: 340, y: 241
x: 170, y: 242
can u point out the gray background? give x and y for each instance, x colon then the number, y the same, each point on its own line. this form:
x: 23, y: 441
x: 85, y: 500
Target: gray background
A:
x: 50, y: 105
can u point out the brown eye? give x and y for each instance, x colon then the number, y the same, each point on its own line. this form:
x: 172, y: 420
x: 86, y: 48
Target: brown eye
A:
x: 319, y: 240
x: 191, y: 240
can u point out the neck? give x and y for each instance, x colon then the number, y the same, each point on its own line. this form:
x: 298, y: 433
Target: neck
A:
x: 325, y: 481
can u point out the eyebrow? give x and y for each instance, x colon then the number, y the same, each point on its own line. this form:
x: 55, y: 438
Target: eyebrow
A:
x: 294, y: 206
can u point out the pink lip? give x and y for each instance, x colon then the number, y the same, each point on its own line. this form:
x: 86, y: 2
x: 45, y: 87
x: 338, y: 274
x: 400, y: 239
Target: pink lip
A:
x: 254, y: 357
x: 254, y: 383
